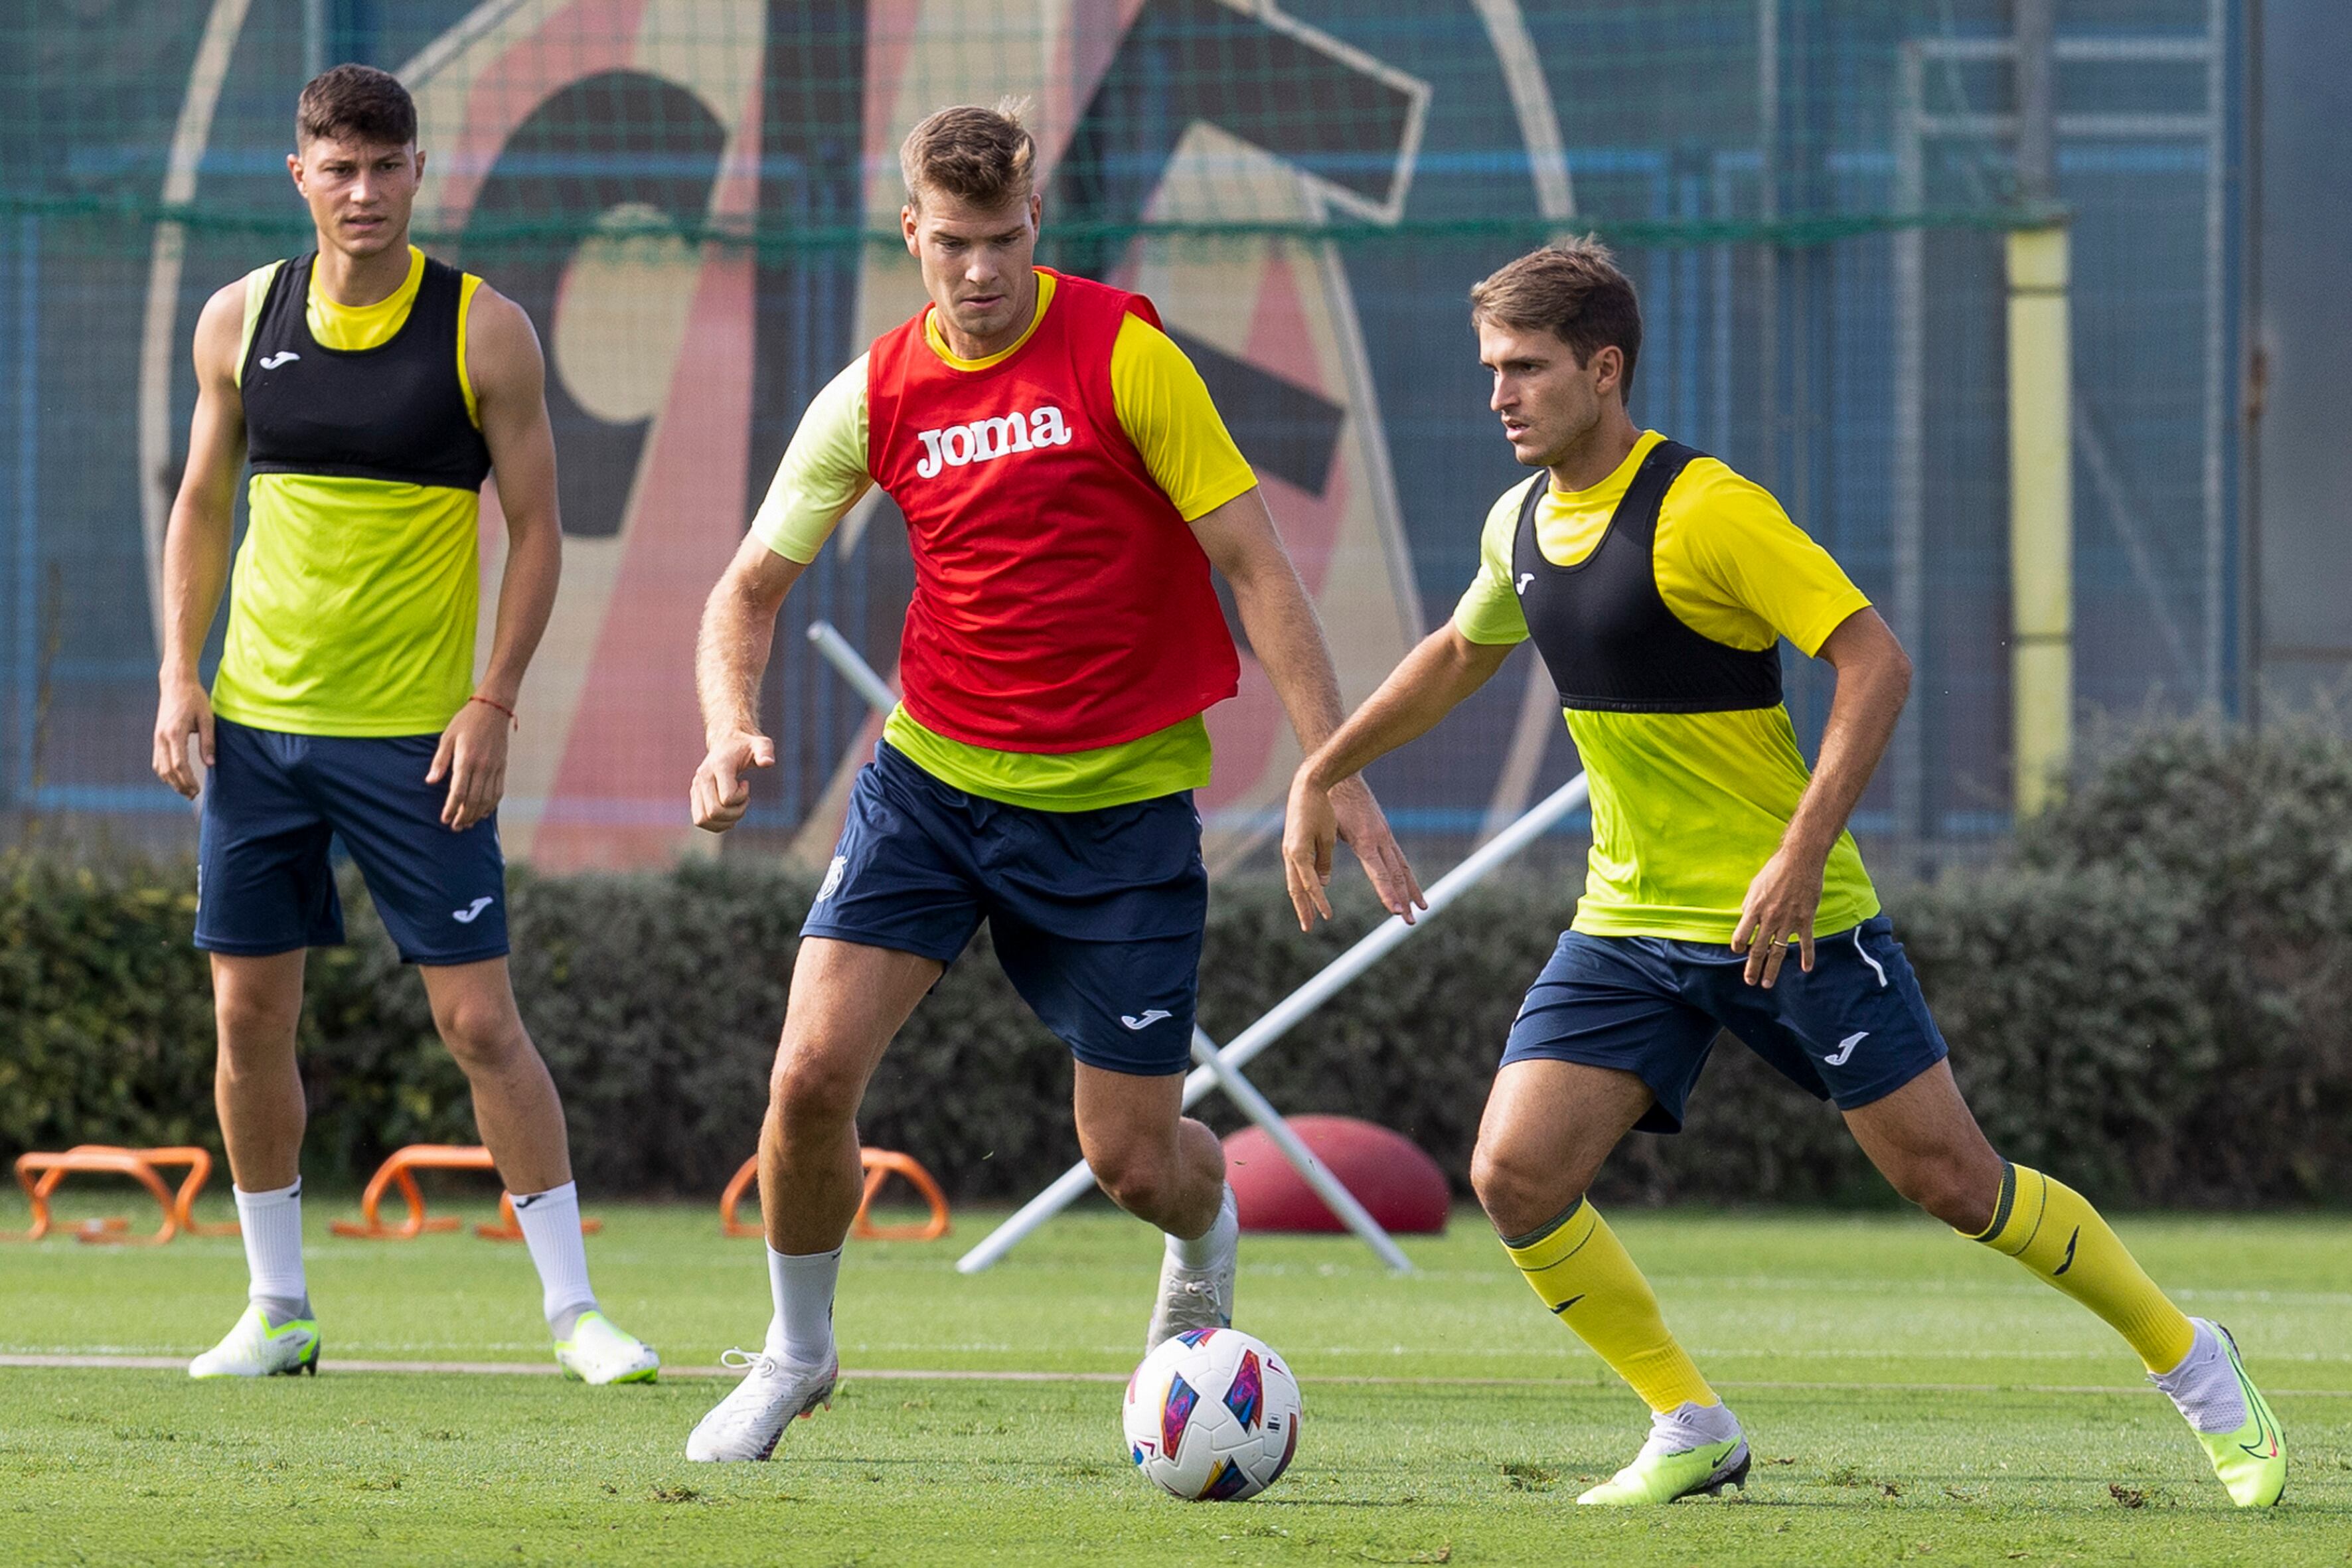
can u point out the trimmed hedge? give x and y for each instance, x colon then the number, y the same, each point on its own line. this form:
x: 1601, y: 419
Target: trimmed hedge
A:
x: 2145, y: 997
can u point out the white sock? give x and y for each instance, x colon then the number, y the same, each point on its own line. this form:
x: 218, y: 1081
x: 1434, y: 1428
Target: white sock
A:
x: 271, y: 1224
x: 803, y: 1283
x: 551, y: 1228
x: 2204, y: 1386
x: 1214, y: 1245
x: 1688, y: 1425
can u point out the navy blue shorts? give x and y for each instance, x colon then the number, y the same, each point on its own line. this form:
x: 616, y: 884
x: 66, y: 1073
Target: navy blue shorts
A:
x: 1855, y: 1029
x: 1096, y: 915
x: 274, y: 804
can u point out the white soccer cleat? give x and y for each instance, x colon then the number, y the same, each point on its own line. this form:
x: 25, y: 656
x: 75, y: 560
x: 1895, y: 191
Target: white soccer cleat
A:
x: 255, y: 1348
x: 1193, y: 1297
x: 748, y: 1422
x: 598, y: 1352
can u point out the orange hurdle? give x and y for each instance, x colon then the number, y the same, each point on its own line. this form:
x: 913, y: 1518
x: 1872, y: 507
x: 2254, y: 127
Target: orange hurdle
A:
x: 199, y: 1162
x: 880, y: 1165
x: 397, y: 1171
x: 40, y: 1175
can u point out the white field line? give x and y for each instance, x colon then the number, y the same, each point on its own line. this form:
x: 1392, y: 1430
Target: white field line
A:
x: 914, y: 1375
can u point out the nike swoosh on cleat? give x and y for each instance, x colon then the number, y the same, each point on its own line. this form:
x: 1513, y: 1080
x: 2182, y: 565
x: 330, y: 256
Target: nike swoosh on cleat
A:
x: 1572, y: 1301
x: 2070, y: 1253
x: 2263, y: 1427
x: 2263, y: 1422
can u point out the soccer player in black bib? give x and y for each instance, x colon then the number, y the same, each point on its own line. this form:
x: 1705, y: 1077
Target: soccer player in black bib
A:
x: 1657, y: 585
x: 371, y: 390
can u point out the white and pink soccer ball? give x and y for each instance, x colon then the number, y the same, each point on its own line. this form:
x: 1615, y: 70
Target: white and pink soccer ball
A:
x: 1213, y: 1416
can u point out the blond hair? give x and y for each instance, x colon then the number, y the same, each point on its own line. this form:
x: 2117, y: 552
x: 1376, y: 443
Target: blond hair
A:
x: 1573, y: 290
x: 982, y: 157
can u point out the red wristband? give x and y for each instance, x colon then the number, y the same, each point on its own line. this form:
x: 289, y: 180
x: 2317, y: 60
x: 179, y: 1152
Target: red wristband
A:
x: 512, y: 718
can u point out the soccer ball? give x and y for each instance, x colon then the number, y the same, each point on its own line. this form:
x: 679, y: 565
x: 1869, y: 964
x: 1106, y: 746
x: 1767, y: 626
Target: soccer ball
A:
x: 1213, y: 1416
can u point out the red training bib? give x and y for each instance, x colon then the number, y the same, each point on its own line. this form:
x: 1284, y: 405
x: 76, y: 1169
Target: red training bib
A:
x: 1061, y: 603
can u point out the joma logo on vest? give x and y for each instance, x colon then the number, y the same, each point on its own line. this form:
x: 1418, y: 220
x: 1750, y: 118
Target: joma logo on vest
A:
x: 983, y: 440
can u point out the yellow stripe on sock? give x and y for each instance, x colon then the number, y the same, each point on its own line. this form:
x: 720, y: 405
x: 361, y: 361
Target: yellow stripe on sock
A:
x: 1581, y: 1271
x: 2053, y: 1231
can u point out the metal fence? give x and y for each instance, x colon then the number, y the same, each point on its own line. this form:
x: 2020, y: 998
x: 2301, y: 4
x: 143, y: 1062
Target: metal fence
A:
x: 695, y: 200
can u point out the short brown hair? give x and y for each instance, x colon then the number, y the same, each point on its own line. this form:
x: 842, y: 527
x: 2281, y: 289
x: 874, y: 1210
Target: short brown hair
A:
x: 355, y: 103
x: 1572, y: 291
x: 984, y: 157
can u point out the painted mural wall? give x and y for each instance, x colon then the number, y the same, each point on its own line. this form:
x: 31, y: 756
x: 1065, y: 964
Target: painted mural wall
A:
x: 684, y: 193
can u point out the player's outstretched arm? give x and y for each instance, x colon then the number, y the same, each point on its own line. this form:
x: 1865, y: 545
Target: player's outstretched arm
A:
x: 1445, y: 667
x: 731, y: 656
x: 1241, y: 542
x: 1873, y: 677
x: 510, y: 378
x: 197, y: 541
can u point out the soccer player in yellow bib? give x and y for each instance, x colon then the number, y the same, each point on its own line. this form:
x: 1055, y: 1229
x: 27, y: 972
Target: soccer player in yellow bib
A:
x: 371, y: 390
x: 1657, y: 584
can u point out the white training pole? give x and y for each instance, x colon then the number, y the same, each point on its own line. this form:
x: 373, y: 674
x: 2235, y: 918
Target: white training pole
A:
x: 1068, y: 1188
x: 1312, y: 1171
x: 1480, y: 863
x: 853, y: 669
x: 1376, y: 942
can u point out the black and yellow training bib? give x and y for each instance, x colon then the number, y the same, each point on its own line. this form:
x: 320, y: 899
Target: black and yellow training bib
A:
x: 356, y: 591
x: 1658, y: 598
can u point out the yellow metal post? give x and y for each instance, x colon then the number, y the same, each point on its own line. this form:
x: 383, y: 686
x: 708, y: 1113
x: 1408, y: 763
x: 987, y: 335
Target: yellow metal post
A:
x: 2040, y: 517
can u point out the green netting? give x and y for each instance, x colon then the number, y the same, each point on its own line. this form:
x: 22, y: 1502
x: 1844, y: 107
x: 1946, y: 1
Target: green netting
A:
x: 696, y: 201
x: 294, y: 231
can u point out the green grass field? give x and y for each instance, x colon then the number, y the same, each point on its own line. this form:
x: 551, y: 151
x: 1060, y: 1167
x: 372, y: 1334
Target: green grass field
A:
x: 1909, y: 1397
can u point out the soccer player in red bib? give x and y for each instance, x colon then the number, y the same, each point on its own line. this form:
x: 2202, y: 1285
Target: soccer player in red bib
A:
x: 1067, y: 485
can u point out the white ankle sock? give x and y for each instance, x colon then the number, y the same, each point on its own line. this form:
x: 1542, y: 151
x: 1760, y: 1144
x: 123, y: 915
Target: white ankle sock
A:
x: 1690, y: 1425
x: 1214, y: 1245
x: 551, y: 1228
x: 802, y: 1284
x: 2203, y: 1388
x: 271, y: 1224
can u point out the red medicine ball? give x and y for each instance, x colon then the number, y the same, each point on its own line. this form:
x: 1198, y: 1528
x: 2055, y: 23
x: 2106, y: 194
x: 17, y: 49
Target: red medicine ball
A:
x: 1399, y: 1185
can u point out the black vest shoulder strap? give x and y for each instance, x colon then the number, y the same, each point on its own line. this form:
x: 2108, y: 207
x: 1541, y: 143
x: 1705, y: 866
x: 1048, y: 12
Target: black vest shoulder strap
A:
x: 1605, y: 630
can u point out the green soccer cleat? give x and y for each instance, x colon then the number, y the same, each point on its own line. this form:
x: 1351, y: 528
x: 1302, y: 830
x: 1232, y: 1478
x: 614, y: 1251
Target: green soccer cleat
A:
x: 599, y: 1353
x: 2251, y: 1457
x: 258, y: 1348
x: 1683, y: 1458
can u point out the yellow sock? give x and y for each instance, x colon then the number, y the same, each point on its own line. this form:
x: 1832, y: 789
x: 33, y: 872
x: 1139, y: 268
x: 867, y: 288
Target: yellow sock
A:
x: 1581, y: 1271
x: 2052, y: 1229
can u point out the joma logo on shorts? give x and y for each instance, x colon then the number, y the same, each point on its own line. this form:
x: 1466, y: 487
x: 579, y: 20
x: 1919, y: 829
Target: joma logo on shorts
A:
x: 984, y: 440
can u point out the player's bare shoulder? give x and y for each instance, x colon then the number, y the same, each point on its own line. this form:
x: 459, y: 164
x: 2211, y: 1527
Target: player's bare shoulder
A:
x: 220, y: 338
x: 502, y: 351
